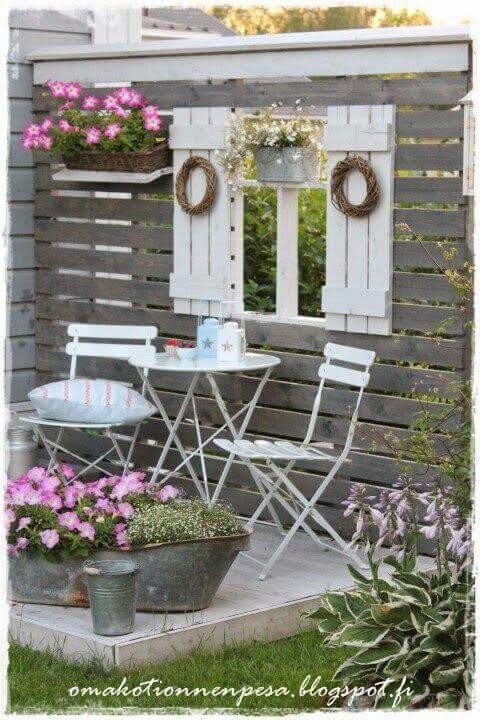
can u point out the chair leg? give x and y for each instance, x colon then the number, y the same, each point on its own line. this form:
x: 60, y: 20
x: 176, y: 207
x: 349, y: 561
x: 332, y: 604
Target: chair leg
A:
x: 265, y: 503
x: 133, y: 443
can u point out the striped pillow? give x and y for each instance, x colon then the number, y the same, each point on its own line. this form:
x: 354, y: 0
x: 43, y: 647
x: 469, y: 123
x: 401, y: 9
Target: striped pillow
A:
x: 90, y: 401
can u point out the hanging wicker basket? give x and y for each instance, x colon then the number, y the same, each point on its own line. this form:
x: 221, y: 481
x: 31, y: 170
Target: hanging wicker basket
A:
x: 144, y: 161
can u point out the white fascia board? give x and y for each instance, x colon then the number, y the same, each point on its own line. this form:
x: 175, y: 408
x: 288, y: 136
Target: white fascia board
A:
x: 255, y: 43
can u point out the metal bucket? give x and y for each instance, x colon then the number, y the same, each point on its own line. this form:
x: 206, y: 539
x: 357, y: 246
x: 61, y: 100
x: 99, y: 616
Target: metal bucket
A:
x: 112, y: 592
x: 22, y: 449
x: 290, y: 164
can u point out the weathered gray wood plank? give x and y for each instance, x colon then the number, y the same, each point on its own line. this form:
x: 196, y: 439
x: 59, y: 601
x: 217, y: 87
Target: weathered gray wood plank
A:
x: 444, y: 90
x: 434, y: 156
x: 432, y: 223
x: 143, y: 264
x: 423, y: 286
x: 21, y: 319
x: 134, y: 236
x: 20, y: 285
x: 430, y: 123
x: 156, y: 211
x: 420, y: 190
x: 410, y: 253
x: 137, y: 291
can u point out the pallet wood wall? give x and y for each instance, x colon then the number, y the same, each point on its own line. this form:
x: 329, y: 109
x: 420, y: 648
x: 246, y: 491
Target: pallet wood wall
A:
x: 428, y: 196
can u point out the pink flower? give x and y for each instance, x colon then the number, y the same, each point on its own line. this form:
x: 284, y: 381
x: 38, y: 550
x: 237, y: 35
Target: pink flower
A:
x: 64, y: 126
x: 46, y: 125
x: 49, y: 538
x: 90, y: 102
x: 28, y: 143
x: 49, y: 484
x: 67, y: 471
x: 32, y: 497
x: 121, y: 112
x: 110, y: 102
x: 36, y: 474
x: 152, y: 123
x: 123, y: 95
x: 168, y: 492
x: 12, y: 550
x: 22, y: 543
x: 18, y: 493
x: 9, y: 518
x: 135, y: 99
x: 69, y: 520
x: 87, y: 530
x: 66, y: 106
x: 73, y: 90
x: 105, y: 505
x: 150, y: 110
x: 125, y: 510
x: 23, y: 523
x: 88, y: 511
x: 52, y: 500
x: 57, y: 88
x: 70, y: 496
x: 32, y: 130
x: 92, y: 135
x: 112, y: 130
x: 121, y: 536
x: 128, y: 484
x: 45, y: 142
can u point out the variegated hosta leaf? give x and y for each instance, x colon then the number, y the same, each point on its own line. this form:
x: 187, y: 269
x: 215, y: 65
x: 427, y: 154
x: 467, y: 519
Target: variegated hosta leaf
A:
x: 411, y: 594
x: 441, y: 644
x: 349, y: 671
x: 329, y: 624
x: 445, y: 627
x: 337, y: 603
x: 417, y: 659
x: 390, y: 613
x: 450, y: 699
x: 400, y: 693
x: 361, y: 580
x: 410, y: 580
x: 378, y: 654
x: 358, y: 603
x: 320, y: 613
x: 447, y: 675
x: 361, y: 635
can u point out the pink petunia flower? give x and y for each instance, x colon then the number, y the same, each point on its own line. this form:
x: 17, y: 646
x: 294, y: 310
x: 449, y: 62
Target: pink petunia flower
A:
x: 70, y: 496
x: 112, y: 130
x: 64, y: 126
x: 46, y: 125
x: 45, y: 142
x: 49, y: 484
x: 92, y: 135
x: 135, y: 99
x: 168, y: 492
x: 57, y: 89
x: 87, y: 530
x: 32, y: 497
x: 32, y: 130
x: 67, y: 471
x: 125, y: 509
x: 90, y: 102
x: 12, y: 550
x: 49, y: 538
x: 88, y: 511
x: 105, y: 505
x: 150, y: 110
x: 22, y: 543
x: 73, y: 90
x: 121, y: 112
x: 66, y: 106
x: 18, y: 493
x: 23, y: 523
x: 9, y: 518
x: 152, y: 123
x: 121, y: 537
x: 36, y: 474
x: 52, y: 501
x: 29, y: 143
x: 69, y: 520
x: 110, y: 102
x: 123, y: 95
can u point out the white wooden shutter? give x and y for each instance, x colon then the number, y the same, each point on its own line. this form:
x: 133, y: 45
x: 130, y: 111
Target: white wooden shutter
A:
x: 204, y: 264
x: 357, y: 296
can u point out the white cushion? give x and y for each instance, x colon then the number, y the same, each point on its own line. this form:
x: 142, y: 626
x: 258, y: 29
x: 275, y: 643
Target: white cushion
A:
x: 90, y: 401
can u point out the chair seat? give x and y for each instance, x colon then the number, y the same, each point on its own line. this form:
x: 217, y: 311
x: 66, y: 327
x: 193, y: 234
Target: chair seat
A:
x: 35, y: 419
x: 278, y: 450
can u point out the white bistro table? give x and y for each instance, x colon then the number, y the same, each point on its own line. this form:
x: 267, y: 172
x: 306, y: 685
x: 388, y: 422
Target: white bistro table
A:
x: 196, y: 368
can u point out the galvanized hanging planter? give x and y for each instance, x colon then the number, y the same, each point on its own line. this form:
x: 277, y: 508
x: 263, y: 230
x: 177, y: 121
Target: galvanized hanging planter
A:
x: 173, y: 577
x: 289, y: 164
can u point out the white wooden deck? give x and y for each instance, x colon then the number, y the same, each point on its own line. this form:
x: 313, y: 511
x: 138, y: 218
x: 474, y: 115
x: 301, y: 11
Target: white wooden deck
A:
x: 244, y: 609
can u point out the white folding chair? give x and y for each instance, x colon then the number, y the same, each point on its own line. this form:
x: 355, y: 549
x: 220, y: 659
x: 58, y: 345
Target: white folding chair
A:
x: 277, y: 484
x: 116, y: 350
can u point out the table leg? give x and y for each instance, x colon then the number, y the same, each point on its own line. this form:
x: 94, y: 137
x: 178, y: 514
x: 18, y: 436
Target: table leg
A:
x: 172, y: 428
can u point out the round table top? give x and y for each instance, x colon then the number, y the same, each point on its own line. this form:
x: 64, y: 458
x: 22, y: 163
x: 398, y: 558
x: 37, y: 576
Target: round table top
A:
x: 162, y: 361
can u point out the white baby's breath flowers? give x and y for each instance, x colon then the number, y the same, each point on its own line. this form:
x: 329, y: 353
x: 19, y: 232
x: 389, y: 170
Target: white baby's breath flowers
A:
x: 245, y: 135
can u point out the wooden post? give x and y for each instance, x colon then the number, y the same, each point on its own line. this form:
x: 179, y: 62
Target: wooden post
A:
x: 287, y: 252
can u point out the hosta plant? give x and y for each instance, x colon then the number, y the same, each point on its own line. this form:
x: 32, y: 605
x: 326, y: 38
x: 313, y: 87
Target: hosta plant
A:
x: 410, y: 632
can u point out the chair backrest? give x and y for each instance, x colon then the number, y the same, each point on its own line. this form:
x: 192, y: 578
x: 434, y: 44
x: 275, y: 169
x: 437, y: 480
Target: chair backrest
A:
x: 334, y: 370
x: 118, y: 350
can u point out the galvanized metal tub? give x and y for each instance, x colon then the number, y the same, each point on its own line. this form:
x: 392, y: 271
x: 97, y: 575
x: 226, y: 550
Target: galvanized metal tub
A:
x: 174, y: 577
x: 290, y: 164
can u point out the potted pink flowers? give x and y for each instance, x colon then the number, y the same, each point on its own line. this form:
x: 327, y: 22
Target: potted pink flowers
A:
x: 53, y: 522
x: 118, y: 132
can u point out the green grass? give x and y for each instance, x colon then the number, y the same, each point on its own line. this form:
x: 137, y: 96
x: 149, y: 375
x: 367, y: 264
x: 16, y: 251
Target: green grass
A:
x: 41, y: 682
